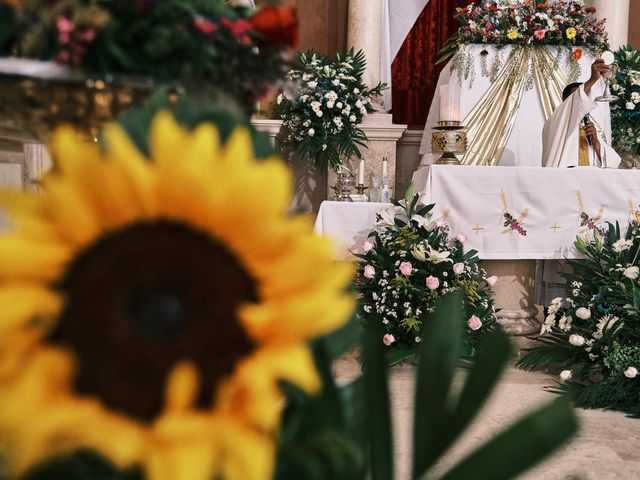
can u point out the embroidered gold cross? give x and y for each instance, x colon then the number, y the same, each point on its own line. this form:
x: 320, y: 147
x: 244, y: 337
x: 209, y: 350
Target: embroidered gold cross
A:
x: 555, y: 227
x: 477, y: 229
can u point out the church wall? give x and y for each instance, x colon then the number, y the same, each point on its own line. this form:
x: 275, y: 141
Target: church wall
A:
x: 324, y: 24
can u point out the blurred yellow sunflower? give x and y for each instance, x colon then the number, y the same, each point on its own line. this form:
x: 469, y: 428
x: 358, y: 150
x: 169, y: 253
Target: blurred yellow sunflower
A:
x: 149, y: 308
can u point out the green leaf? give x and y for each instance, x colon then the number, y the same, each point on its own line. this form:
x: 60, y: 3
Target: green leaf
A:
x: 378, y: 405
x: 521, y: 446
x: 439, y: 353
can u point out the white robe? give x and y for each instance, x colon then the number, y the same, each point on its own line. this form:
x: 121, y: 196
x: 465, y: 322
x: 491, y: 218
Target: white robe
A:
x: 561, y: 133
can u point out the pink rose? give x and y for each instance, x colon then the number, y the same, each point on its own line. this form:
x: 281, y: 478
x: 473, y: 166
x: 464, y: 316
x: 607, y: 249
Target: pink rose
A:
x: 366, y: 246
x: 432, y: 283
x: 461, y: 238
x: 388, y: 339
x: 474, y: 323
x: 406, y: 268
x: 492, y: 280
x: 539, y: 34
x: 458, y: 268
x: 369, y: 272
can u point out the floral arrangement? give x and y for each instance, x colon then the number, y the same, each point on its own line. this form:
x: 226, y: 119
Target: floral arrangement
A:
x: 593, y: 335
x: 236, y: 50
x: 567, y: 24
x: 625, y: 114
x: 407, y: 264
x: 329, y: 102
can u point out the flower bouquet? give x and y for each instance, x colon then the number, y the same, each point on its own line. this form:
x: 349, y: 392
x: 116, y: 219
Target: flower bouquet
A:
x: 593, y: 335
x: 529, y: 23
x: 406, y: 265
x: 625, y: 114
x: 87, y: 61
x: 329, y: 102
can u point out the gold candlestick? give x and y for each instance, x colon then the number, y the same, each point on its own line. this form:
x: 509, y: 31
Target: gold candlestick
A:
x: 361, y: 188
x: 449, y: 138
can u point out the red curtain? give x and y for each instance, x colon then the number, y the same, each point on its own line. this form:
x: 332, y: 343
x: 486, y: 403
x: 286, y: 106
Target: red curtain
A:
x: 414, y: 72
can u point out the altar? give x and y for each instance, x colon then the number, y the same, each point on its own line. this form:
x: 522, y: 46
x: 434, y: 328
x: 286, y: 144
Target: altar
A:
x: 512, y: 81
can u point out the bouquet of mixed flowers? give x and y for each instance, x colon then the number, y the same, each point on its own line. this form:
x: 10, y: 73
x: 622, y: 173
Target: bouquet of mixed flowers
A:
x: 407, y: 264
x: 330, y: 101
x: 561, y: 23
x: 210, y: 43
x: 594, y: 333
x: 625, y: 114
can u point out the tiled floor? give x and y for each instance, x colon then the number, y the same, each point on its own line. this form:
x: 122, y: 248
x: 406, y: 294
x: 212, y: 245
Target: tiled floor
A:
x: 607, y: 447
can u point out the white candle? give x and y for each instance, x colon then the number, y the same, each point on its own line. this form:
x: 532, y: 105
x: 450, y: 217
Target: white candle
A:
x: 384, y: 168
x: 361, y: 173
x: 450, y: 102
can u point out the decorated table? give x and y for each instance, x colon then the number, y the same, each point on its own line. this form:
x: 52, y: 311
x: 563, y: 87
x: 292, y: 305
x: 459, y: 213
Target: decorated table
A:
x: 528, y: 213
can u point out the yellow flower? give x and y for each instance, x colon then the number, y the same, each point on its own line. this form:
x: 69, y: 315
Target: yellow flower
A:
x: 512, y: 35
x: 571, y: 33
x: 149, y: 308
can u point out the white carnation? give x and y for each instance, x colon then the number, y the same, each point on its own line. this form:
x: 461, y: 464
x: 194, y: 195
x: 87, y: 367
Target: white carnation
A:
x: 630, y: 106
x: 631, y: 372
x: 583, y: 313
x: 622, y: 245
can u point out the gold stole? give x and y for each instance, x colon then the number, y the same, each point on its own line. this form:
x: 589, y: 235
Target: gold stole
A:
x: 583, y: 155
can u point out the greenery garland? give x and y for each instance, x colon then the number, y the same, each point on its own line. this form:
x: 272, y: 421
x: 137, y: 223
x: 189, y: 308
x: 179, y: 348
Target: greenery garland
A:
x: 594, y: 333
x: 406, y: 265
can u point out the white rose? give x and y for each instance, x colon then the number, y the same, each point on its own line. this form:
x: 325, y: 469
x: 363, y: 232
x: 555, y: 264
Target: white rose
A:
x: 631, y: 272
x: 336, y: 82
x: 319, y: 113
x: 630, y: 106
x: 576, y: 340
x: 583, y: 313
x: 312, y: 84
x: 312, y: 132
x: 352, y: 118
x: 631, y: 372
x: 566, y: 375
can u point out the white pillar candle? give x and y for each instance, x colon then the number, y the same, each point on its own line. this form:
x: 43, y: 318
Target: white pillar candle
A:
x: 361, y: 173
x: 450, y: 102
x: 385, y: 164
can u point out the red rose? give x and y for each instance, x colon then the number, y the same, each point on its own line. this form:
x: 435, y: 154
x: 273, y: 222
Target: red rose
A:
x: 278, y: 26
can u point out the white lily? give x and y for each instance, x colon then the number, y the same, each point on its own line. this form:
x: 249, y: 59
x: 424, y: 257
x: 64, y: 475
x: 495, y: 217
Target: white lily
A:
x: 419, y: 253
x: 386, y: 217
x: 436, y: 256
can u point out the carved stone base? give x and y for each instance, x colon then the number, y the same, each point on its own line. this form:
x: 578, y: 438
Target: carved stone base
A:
x: 514, y: 295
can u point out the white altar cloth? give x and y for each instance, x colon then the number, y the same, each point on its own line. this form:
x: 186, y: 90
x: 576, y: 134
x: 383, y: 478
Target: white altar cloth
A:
x: 348, y: 223
x: 524, y: 147
x: 548, y: 201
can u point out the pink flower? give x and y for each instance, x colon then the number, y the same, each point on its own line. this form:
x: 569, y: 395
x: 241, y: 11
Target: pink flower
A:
x: 474, y: 323
x: 388, y: 339
x: 492, y: 280
x: 64, y: 25
x: 366, y: 246
x: 458, y: 268
x: 539, y: 34
x: 406, y: 268
x: 461, y: 238
x: 432, y: 282
x: 369, y: 272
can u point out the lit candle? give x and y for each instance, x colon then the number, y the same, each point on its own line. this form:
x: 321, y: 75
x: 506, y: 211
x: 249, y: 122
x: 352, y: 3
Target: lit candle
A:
x: 450, y: 102
x: 361, y: 173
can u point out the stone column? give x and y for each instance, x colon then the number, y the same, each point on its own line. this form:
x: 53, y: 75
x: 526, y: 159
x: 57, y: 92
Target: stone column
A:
x: 617, y: 14
x: 365, y: 33
x: 365, y: 24
x: 514, y: 295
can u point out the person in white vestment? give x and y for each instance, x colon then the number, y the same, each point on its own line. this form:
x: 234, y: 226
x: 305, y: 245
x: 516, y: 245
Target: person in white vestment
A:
x: 571, y: 137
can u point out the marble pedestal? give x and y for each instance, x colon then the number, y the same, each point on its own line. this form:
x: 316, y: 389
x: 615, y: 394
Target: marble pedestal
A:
x: 514, y: 295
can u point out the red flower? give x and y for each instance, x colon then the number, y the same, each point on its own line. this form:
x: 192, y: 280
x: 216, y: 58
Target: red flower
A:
x: 493, y: 8
x: 543, y: 5
x: 577, y: 53
x: 205, y: 26
x: 238, y: 28
x: 539, y: 34
x: 278, y: 26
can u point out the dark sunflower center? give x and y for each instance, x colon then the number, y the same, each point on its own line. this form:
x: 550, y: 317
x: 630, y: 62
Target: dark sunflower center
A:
x: 144, y: 298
